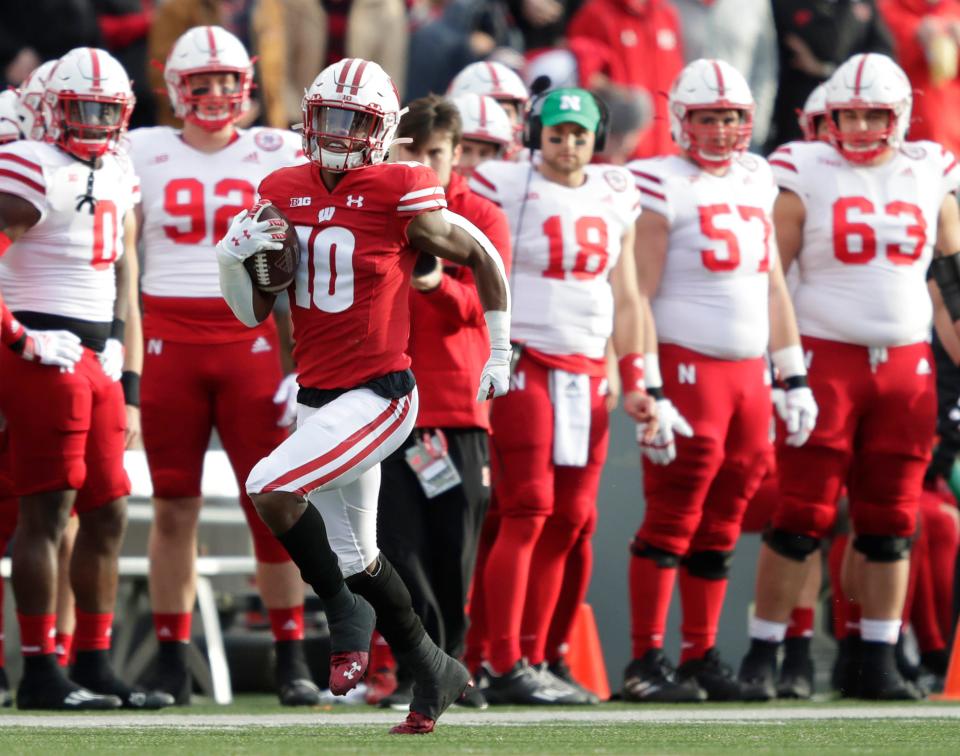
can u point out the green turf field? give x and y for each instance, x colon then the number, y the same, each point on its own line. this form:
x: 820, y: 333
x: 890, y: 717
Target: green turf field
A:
x: 257, y: 725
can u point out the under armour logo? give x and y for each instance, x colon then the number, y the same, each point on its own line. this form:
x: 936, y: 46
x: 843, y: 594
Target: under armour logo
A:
x: 236, y: 241
x: 349, y: 673
x: 246, y: 233
x: 354, y: 201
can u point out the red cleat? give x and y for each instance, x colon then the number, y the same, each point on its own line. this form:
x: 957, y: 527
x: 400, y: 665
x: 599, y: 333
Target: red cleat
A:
x: 347, y: 670
x: 414, y: 724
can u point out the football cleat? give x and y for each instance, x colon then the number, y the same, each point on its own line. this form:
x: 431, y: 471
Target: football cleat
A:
x: 711, y: 674
x: 414, y: 724
x: 653, y: 679
x: 758, y: 672
x: 561, y: 671
x: 348, y: 635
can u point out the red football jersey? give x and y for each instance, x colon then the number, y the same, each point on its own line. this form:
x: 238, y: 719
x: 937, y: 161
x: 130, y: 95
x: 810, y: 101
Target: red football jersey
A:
x: 349, y: 305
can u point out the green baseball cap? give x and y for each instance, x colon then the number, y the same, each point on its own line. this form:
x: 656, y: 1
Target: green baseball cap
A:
x: 570, y: 105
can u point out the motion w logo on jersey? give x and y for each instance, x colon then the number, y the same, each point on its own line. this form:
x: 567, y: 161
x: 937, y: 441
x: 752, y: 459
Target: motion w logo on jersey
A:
x: 326, y: 214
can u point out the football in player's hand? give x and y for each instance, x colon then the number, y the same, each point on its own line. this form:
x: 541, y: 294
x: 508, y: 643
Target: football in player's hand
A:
x: 273, y: 270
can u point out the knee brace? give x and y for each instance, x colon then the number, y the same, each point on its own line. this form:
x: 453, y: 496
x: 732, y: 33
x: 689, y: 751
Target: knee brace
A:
x: 709, y: 565
x: 790, y: 545
x: 660, y: 557
x: 887, y: 549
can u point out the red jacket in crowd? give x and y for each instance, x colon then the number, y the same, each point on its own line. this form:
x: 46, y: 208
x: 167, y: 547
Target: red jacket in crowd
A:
x: 642, y: 42
x: 448, y: 335
x: 936, y: 109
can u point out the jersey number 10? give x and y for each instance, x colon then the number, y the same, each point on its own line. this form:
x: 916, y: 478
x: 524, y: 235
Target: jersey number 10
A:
x: 325, y: 277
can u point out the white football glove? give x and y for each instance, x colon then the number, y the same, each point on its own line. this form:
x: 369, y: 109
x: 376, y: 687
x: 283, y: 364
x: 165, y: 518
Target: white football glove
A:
x: 60, y: 349
x: 286, y: 397
x: 662, y: 448
x: 799, y: 413
x: 246, y: 236
x: 111, y: 359
x: 495, y: 378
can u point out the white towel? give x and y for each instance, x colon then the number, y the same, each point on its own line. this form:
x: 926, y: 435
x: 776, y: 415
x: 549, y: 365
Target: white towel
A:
x: 571, y: 418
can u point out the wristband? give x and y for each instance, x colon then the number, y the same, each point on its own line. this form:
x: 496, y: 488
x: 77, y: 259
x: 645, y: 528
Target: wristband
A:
x: 130, y: 381
x: 498, y: 326
x: 656, y: 392
x: 789, y: 362
x: 631, y: 372
x: 651, y: 366
x: 117, y: 329
x: 795, y: 382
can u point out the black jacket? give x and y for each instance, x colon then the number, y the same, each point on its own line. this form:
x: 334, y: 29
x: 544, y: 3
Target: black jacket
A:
x: 834, y: 30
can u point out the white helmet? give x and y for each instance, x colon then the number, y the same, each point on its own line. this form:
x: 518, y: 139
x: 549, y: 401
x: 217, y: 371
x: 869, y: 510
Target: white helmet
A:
x: 489, y: 78
x: 87, y: 103
x: 707, y: 84
x: 9, y: 123
x: 873, y: 81
x: 30, y: 99
x: 208, y: 49
x: 815, y: 107
x: 483, y: 119
x: 353, y: 104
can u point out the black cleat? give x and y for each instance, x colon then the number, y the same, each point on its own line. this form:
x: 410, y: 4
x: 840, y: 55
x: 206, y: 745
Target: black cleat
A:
x: 170, y: 674
x: 758, y: 672
x: 438, y: 681
x: 711, y: 674
x: 845, y: 678
x: 45, y: 687
x: 295, y: 687
x: 92, y: 670
x: 880, y: 680
x: 525, y: 686
x: 560, y: 670
x: 6, y: 698
x: 653, y: 679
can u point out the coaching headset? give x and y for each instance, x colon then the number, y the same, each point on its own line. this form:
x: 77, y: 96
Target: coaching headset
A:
x: 533, y: 126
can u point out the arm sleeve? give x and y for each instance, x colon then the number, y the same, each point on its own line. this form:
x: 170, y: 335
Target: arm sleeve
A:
x: 652, y: 188
x: 22, y: 176
x: 786, y: 172
x: 422, y: 192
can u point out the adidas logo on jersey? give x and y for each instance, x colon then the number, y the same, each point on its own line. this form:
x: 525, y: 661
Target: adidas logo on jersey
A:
x: 160, y: 159
x: 923, y: 367
x: 260, y: 345
x: 326, y: 214
x: 253, y: 157
x: 908, y: 171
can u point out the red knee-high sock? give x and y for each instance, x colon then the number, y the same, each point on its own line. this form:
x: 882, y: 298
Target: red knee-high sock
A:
x: 37, y: 633
x: 93, y: 630
x: 801, y: 622
x: 651, y: 588
x: 576, y: 580
x: 702, y: 602
x: 172, y: 626
x: 287, y: 623
x: 477, y: 644
x: 506, y: 577
x: 943, y: 539
x: 548, y: 568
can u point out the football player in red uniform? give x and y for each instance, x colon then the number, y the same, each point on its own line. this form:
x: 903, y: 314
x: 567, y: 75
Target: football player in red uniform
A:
x: 65, y: 205
x: 360, y: 224
x: 203, y: 369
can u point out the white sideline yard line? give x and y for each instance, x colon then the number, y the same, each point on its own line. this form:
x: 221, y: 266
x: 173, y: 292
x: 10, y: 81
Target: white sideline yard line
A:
x: 765, y: 715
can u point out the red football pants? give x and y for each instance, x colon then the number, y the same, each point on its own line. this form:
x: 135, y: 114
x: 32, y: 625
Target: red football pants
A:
x: 537, y: 501
x: 874, y: 432
x: 696, y: 503
x: 189, y: 389
x: 66, y: 430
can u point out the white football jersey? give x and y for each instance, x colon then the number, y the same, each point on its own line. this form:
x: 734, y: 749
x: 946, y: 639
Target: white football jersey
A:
x: 565, y: 243
x: 190, y: 197
x: 64, y: 265
x: 714, y: 291
x: 867, y: 240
